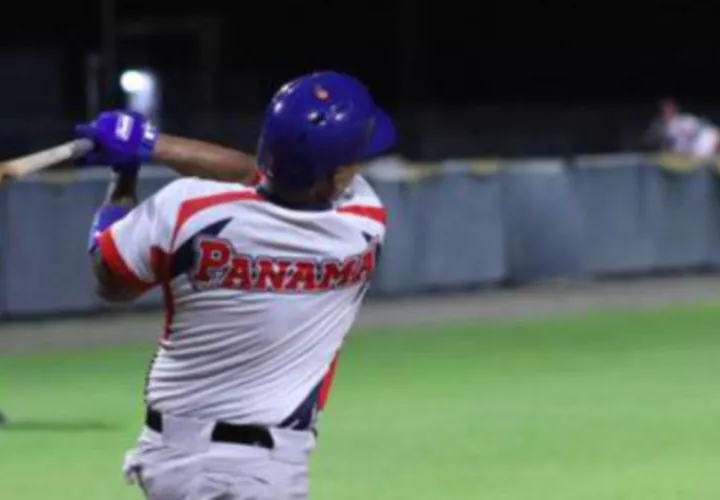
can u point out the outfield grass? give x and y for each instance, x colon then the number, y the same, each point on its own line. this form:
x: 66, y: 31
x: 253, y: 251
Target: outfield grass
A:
x: 612, y: 406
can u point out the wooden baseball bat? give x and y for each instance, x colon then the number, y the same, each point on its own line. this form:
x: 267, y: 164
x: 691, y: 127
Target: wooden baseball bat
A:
x: 35, y: 162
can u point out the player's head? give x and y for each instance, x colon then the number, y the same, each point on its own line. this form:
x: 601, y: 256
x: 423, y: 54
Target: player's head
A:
x: 316, y: 131
x: 668, y: 108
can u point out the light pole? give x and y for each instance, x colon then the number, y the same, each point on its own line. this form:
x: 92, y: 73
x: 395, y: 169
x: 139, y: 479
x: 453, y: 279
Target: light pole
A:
x: 108, y: 23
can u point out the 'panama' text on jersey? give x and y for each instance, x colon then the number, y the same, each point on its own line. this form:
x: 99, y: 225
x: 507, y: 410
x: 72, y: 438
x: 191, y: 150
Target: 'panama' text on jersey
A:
x: 217, y: 265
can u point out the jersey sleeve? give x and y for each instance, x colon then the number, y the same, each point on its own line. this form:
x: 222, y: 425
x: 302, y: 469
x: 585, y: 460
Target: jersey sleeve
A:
x: 132, y: 247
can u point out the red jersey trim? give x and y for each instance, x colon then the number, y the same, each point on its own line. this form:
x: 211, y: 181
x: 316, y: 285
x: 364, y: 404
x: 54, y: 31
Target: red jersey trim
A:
x: 377, y: 214
x: 117, y: 266
x: 196, y: 205
x: 327, y: 383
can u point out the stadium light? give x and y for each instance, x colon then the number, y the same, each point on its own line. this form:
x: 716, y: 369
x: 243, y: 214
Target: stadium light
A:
x: 135, y: 81
x: 142, y: 92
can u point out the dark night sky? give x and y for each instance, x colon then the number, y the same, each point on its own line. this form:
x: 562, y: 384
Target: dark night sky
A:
x: 449, y: 52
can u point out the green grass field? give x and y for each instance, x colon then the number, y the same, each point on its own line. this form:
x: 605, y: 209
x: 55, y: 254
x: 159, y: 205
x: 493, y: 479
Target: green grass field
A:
x: 610, y: 405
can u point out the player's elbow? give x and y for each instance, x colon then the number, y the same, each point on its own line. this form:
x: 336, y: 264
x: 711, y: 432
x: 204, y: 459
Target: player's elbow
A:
x: 109, y: 288
x: 115, y: 295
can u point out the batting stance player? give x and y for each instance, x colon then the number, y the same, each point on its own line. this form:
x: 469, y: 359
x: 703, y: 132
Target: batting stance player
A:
x: 261, y: 285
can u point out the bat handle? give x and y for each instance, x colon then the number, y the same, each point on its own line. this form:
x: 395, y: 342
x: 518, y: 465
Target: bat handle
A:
x: 81, y: 147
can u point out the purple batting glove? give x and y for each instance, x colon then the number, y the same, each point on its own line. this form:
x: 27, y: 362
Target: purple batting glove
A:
x: 122, y: 139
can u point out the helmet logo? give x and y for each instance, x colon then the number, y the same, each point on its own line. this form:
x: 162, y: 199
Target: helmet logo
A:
x: 321, y: 93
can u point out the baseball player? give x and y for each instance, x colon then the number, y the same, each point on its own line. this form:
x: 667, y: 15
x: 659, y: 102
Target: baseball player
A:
x: 684, y: 133
x: 262, y: 281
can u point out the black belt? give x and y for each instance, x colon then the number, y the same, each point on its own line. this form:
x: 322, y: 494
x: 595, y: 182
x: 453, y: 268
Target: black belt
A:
x: 249, y: 435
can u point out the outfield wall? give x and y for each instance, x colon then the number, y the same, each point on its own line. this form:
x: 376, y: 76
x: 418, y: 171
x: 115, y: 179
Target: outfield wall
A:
x: 458, y: 225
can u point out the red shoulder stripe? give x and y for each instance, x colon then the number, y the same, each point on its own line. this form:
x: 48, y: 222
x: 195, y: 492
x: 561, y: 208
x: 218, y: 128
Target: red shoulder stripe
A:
x: 195, y: 205
x: 116, y: 264
x: 377, y: 214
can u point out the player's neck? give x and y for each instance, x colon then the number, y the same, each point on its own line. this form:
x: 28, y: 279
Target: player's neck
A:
x: 294, y: 201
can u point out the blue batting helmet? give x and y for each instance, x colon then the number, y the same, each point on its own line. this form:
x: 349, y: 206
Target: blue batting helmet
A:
x: 318, y: 123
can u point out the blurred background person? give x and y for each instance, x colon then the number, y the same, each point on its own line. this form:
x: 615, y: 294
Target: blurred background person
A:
x: 673, y: 131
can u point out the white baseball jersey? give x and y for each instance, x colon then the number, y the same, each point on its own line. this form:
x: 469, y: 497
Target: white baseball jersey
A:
x: 258, y: 297
x: 690, y: 135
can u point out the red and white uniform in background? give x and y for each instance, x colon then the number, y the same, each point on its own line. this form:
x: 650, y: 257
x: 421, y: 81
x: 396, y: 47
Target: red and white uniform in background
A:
x: 693, y: 136
x: 258, y: 297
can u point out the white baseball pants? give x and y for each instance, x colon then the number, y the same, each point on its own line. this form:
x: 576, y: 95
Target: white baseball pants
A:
x: 706, y: 145
x: 183, y: 464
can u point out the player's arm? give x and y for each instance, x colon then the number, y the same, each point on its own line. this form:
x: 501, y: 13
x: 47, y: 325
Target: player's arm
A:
x: 130, y: 241
x: 109, y: 287
x: 190, y: 157
x: 112, y: 283
x: 120, y: 135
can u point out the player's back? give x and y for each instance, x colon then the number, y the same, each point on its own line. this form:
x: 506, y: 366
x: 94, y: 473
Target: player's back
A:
x: 258, y: 297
